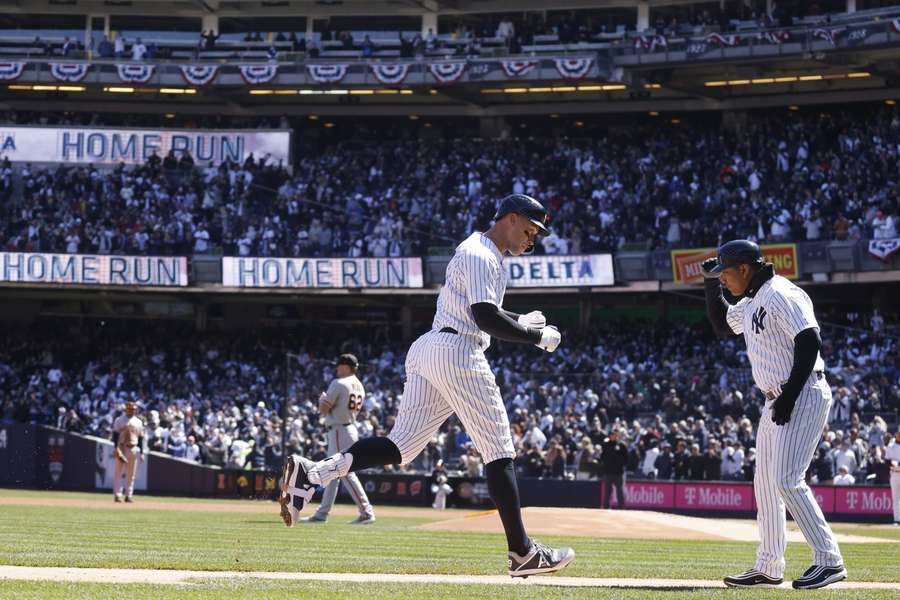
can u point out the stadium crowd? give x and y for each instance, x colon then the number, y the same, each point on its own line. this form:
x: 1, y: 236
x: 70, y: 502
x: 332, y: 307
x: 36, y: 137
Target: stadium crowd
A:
x: 682, y: 403
x: 780, y: 177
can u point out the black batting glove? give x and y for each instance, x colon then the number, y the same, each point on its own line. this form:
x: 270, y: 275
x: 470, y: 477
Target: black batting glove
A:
x: 782, y: 408
x: 706, y: 268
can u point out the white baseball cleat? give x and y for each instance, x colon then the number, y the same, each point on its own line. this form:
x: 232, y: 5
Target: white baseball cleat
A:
x: 296, y: 489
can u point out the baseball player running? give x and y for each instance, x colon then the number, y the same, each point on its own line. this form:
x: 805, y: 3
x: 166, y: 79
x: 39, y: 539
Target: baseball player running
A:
x: 128, y: 438
x: 782, y: 335
x: 447, y: 372
x: 340, y: 405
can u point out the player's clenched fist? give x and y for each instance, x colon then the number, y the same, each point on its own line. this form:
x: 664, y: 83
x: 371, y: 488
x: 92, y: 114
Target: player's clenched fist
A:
x: 535, y: 319
x: 550, y: 338
x: 707, y: 266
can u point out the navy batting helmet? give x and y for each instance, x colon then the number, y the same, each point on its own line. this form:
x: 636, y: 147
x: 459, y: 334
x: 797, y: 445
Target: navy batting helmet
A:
x: 738, y: 252
x: 526, y: 206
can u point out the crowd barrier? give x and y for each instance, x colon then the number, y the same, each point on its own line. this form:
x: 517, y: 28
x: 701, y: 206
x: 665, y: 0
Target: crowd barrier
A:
x: 44, y: 457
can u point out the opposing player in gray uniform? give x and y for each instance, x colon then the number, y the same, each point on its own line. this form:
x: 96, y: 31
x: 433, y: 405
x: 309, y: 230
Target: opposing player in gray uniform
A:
x: 340, y: 405
x: 447, y: 372
x: 780, y: 329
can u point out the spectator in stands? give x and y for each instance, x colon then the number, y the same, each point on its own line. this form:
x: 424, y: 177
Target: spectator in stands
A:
x: 39, y: 46
x: 138, y: 50
x: 68, y: 46
x: 209, y: 39
x: 844, y: 477
x: 119, y: 46
x: 105, y: 48
x: 368, y: 48
x: 732, y: 461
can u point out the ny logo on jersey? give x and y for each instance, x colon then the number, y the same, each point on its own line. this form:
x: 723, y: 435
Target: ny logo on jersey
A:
x: 758, y: 318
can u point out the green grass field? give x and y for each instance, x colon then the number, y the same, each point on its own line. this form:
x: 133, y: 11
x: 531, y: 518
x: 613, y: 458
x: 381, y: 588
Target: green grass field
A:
x: 135, y: 537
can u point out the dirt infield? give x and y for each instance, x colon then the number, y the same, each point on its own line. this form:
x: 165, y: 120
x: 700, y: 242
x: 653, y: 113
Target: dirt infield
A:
x: 187, y: 577
x: 630, y: 524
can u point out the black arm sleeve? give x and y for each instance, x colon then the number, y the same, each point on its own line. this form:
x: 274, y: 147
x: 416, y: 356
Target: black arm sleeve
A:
x: 716, y: 308
x: 806, y: 349
x: 492, y: 320
x: 115, y: 438
x: 510, y: 314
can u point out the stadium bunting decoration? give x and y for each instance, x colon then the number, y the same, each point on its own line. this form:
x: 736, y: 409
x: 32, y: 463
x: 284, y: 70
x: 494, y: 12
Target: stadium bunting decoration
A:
x: 390, y: 74
x: 829, y: 35
x: 774, y: 37
x: 723, y: 40
x: 573, y: 68
x: 70, y: 72
x: 884, y: 249
x: 10, y: 71
x: 517, y: 68
x: 199, y: 74
x: 327, y: 73
x: 135, y: 73
x: 650, y: 42
x: 257, y: 74
x: 447, y: 72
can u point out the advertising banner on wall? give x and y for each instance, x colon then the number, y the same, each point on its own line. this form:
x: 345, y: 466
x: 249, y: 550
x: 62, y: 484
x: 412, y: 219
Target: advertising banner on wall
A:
x: 333, y: 273
x: 686, y: 263
x: 559, y: 271
x: 38, y: 267
x: 111, y: 146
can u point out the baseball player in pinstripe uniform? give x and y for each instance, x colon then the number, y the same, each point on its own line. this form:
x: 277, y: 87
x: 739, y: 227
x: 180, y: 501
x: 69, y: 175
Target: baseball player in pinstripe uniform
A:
x: 447, y: 372
x: 780, y: 329
x: 340, y: 405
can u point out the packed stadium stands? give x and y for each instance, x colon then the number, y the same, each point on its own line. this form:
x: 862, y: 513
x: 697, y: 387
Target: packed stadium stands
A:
x: 787, y: 176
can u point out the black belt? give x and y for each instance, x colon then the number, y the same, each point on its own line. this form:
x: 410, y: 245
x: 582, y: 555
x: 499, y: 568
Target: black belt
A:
x: 449, y: 330
x: 338, y: 425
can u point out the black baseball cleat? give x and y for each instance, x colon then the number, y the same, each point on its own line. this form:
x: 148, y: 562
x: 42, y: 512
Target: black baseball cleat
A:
x: 818, y: 576
x: 752, y: 578
x: 296, y: 489
x: 539, y: 559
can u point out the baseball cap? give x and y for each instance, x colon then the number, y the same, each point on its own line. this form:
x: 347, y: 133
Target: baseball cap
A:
x: 349, y: 360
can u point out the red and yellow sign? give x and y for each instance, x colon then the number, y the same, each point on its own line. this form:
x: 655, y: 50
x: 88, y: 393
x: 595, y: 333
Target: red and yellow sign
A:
x: 686, y: 263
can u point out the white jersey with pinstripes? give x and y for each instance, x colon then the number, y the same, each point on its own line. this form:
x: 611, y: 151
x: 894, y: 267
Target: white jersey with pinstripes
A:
x: 770, y: 321
x: 447, y: 372
x: 475, y: 274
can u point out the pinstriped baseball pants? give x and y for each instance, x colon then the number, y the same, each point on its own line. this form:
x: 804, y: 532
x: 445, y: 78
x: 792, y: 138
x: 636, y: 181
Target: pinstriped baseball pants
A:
x: 341, y: 437
x: 448, y: 373
x: 783, y: 454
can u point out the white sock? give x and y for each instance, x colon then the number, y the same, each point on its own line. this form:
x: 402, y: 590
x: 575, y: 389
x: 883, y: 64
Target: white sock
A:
x: 333, y: 467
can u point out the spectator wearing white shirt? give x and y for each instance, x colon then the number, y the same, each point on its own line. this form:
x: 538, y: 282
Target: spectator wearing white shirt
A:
x: 201, y: 237
x: 846, y: 458
x: 119, y: 45
x: 844, y: 477
x: 138, y: 50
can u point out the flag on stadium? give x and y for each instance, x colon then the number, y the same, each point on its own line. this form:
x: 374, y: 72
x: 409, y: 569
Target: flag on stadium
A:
x: 256, y: 74
x: 573, y: 68
x: 199, y: 74
x: 390, y: 74
x: 135, y: 73
x: 829, y: 35
x: 327, y: 73
x: 447, y: 72
x: 10, y: 71
x: 517, y: 68
x: 71, y: 72
x: 650, y: 42
x: 883, y: 249
x: 723, y: 40
x: 774, y: 37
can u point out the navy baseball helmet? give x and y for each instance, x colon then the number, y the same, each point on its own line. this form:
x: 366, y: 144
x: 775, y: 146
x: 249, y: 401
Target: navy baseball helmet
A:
x: 526, y: 206
x: 348, y: 359
x: 738, y: 252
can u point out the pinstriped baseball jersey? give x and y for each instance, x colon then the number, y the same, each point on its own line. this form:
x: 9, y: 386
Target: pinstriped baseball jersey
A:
x: 345, y: 395
x: 770, y: 321
x: 475, y: 274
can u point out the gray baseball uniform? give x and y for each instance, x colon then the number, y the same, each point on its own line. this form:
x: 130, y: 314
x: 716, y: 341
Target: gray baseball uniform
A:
x: 345, y: 396
x: 769, y: 321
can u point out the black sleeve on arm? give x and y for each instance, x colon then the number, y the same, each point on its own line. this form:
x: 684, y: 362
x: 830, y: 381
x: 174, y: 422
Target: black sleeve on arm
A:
x: 115, y: 438
x: 510, y: 314
x: 716, y: 308
x: 493, y: 320
x: 806, y: 350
